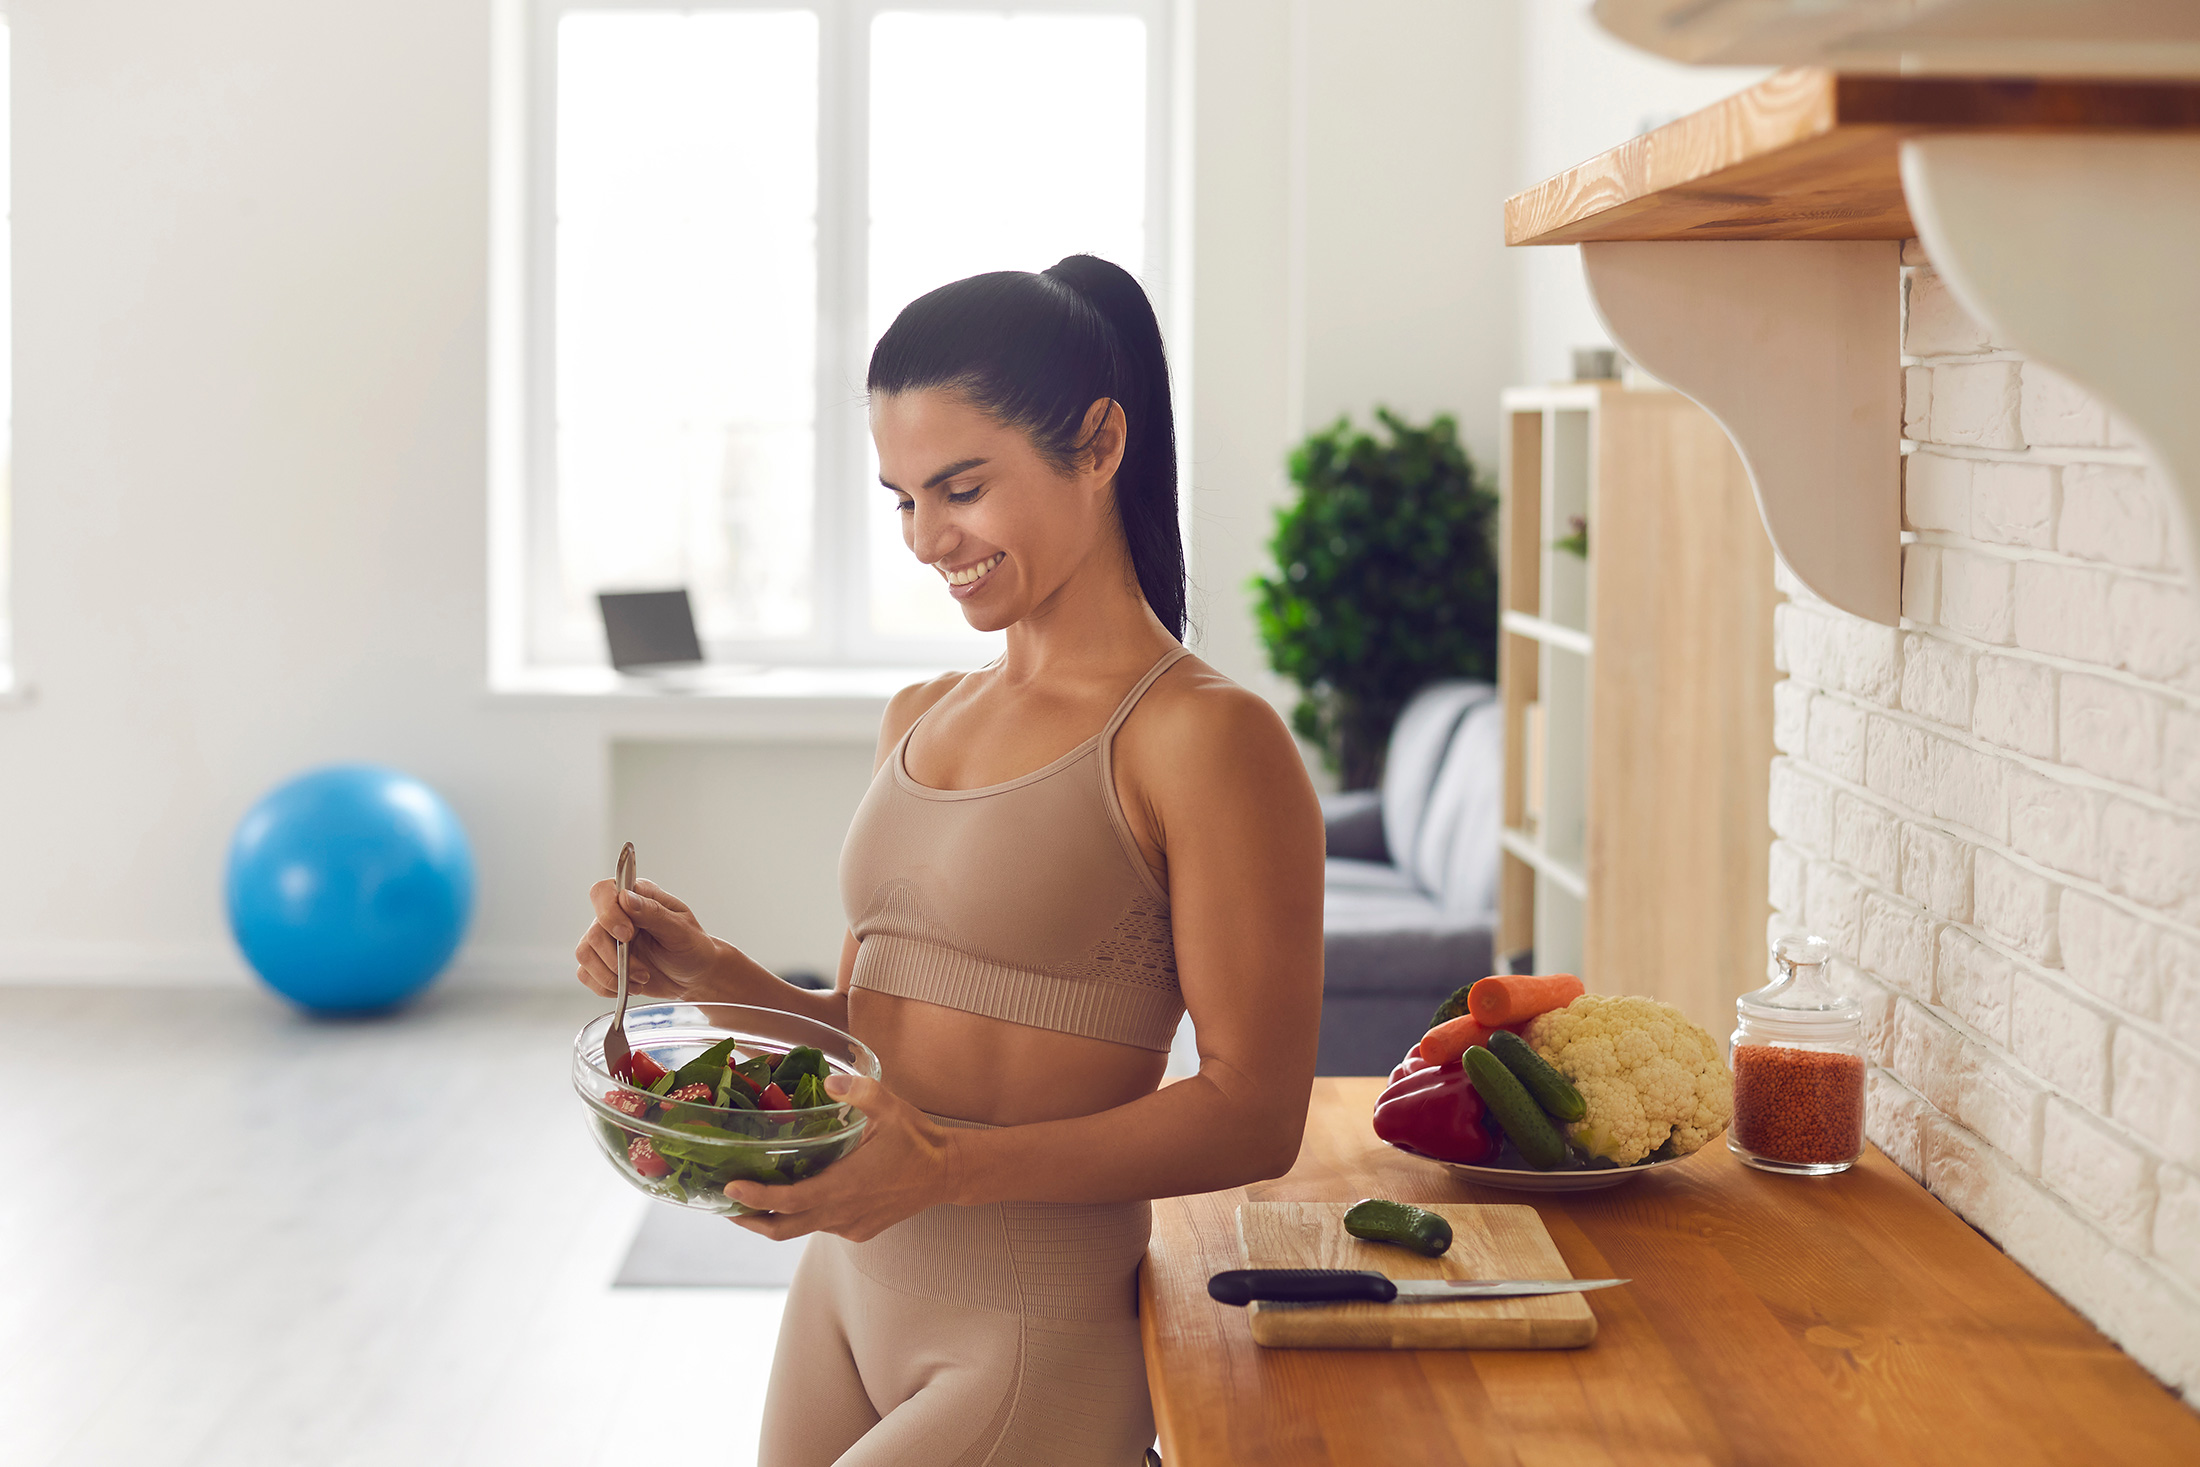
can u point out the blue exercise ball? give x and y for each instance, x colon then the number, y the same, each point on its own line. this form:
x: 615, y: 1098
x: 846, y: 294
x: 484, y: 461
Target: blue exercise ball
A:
x: 349, y: 887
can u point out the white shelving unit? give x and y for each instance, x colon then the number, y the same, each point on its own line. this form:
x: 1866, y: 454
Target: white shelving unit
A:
x: 1548, y: 470
x: 1638, y: 696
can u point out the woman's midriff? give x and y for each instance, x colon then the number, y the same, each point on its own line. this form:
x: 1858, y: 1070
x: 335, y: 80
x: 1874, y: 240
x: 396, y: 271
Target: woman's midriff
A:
x: 954, y: 1063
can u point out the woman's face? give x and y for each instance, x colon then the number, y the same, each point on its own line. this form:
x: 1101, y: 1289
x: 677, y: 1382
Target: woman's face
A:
x: 1004, y: 529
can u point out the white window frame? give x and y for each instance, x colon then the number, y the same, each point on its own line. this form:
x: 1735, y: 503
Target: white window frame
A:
x: 841, y: 634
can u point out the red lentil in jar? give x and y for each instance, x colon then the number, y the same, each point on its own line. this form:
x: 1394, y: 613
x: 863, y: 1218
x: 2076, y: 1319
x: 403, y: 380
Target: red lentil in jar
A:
x: 1798, y: 1054
x: 1801, y: 1106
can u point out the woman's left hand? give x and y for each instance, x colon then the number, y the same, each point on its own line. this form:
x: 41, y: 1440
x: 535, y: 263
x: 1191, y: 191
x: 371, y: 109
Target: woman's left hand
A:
x: 905, y: 1164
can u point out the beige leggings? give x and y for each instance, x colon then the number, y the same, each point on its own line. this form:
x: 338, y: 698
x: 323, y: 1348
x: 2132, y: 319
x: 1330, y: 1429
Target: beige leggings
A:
x: 1000, y: 1336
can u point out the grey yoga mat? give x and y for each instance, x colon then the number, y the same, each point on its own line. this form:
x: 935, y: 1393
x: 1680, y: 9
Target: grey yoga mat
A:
x: 676, y: 1247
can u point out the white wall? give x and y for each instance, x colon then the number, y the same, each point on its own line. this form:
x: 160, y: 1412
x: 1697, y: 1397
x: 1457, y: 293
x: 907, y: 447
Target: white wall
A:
x: 249, y: 446
x: 1351, y: 157
x: 1408, y: 125
x: 251, y: 405
x: 1993, y: 814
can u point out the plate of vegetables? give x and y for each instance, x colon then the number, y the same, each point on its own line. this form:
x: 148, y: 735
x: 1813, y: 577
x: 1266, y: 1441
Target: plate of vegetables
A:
x: 718, y: 1093
x: 1531, y: 1083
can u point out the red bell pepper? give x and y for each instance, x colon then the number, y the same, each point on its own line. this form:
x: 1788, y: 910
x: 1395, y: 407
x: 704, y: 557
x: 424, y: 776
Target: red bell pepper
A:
x: 1409, y: 1064
x: 1435, y: 1112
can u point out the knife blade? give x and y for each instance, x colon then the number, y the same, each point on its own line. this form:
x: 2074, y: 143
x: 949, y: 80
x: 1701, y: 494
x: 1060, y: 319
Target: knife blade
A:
x: 1364, y: 1286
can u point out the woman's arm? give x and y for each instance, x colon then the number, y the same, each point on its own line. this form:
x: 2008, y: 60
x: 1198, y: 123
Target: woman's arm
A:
x: 669, y: 955
x: 1223, y: 786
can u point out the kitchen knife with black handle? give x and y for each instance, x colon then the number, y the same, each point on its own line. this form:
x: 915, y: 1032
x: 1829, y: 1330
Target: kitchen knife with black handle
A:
x: 1362, y: 1286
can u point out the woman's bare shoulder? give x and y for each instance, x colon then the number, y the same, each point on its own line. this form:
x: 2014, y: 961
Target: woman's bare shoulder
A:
x: 1203, y: 760
x: 1194, y: 715
x: 909, y: 705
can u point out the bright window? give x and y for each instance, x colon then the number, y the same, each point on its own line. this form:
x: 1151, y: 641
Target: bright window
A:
x: 730, y: 203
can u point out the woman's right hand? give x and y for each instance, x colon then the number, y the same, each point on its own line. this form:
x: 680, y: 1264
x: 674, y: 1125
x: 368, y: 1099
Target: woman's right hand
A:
x: 668, y: 952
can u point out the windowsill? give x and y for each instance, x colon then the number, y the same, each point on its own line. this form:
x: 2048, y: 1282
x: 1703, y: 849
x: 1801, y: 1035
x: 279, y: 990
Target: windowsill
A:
x: 708, y: 685
x: 833, y: 705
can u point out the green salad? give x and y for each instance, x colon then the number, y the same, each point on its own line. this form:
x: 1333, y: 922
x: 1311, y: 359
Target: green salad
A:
x: 723, y: 1117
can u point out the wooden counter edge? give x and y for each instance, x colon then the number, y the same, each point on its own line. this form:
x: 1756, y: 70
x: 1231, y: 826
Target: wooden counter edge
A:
x: 1193, y: 1413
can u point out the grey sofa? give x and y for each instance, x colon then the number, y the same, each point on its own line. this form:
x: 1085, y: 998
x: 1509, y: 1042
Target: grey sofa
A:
x: 1409, y: 909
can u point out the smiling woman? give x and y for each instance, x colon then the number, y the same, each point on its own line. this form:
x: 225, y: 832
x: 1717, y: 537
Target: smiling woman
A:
x: 1060, y: 854
x: 1069, y: 359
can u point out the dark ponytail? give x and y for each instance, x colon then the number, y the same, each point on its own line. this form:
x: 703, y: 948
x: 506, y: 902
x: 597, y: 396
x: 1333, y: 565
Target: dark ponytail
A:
x: 1035, y: 352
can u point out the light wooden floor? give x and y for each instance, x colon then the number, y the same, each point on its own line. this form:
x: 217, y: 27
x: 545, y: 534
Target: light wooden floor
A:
x: 230, y: 1236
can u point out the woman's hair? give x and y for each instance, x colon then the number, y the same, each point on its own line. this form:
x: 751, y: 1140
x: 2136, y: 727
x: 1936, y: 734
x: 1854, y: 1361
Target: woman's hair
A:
x: 1036, y: 352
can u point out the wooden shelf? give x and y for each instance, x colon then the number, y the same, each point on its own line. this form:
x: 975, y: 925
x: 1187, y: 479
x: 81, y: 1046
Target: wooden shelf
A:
x: 1556, y: 396
x: 1524, y: 845
x: 1815, y: 154
x: 1636, y: 682
x: 1550, y: 633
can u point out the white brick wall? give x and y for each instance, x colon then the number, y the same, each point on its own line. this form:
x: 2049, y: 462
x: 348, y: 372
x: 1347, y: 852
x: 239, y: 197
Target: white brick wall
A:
x: 1993, y: 813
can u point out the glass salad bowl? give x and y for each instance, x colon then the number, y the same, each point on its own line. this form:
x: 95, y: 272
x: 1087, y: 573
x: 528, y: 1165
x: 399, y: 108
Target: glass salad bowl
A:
x: 726, y: 1093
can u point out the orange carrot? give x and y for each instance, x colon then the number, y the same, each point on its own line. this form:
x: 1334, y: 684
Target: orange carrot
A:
x: 1516, y: 998
x: 1452, y: 1038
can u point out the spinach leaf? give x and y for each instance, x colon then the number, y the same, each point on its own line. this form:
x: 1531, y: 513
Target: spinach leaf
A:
x: 809, y: 1093
x: 757, y: 1071
x: 684, y: 1113
x: 661, y: 1084
x: 705, y: 1066
x: 717, y: 1156
x: 802, y: 1060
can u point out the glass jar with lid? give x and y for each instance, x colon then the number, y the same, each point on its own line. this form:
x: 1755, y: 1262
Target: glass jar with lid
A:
x: 1798, y: 1058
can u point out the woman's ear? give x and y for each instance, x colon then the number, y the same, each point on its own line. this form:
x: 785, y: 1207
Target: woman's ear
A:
x: 1102, y: 437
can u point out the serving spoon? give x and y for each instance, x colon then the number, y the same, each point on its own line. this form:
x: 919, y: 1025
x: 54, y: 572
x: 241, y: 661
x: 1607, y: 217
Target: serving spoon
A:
x: 618, y: 1055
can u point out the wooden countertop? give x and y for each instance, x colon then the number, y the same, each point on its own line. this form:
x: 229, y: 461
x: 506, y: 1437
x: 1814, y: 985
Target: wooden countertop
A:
x: 1847, y: 1320
x: 1815, y: 154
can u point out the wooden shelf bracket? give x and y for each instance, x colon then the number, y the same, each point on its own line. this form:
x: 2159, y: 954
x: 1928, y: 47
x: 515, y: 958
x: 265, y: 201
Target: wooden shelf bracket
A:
x: 2082, y: 253
x: 1792, y: 346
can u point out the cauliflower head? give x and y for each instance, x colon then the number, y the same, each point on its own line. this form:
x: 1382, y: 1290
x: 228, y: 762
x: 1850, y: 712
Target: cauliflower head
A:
x: 1647, y: 1074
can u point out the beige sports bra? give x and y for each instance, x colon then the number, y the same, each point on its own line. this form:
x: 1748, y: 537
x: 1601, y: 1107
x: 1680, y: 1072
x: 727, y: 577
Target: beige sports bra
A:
x: 1026, y: 901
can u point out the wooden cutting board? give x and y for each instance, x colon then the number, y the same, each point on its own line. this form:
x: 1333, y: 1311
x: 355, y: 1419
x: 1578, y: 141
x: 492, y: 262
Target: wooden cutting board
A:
x: 1489, y: 1242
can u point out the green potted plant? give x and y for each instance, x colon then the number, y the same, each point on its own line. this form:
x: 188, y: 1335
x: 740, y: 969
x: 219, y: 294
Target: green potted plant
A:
x: 1386, y: 581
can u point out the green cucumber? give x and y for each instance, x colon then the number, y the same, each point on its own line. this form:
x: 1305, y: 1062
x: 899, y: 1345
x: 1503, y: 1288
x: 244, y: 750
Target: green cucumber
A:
x: 1553, y: 1091
x: 1515, y: 1110
x: 1381, y: 1221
